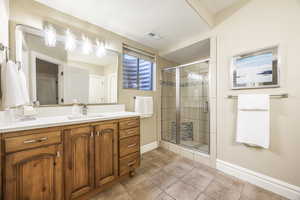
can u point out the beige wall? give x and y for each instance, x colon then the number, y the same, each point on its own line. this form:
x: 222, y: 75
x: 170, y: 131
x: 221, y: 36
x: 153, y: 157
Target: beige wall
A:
x: 31, y: 13
x: 262, y: 23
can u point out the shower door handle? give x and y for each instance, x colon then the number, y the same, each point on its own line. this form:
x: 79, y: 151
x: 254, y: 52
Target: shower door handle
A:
x: 206, y: 107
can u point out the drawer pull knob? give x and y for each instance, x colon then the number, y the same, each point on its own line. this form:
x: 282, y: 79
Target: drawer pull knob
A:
x: 131, y: 163
x: 35, y: 140
x: 132, y: 145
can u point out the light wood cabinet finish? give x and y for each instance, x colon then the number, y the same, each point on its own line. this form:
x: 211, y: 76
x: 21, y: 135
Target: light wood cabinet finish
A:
x: 31, y: 141
x: 129, y: 163
x: 68, y: 162
x: 129, y: 123
x: 106, y: 153
x: 129, y: 132
x: 79, y: 161
x: 129, y: 145
x: 35, y: 174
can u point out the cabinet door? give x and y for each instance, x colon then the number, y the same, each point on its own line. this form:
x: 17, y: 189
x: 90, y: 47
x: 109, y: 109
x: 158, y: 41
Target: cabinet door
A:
x: 79, y: 161
x: 34, y: 174
x: 106, y: 153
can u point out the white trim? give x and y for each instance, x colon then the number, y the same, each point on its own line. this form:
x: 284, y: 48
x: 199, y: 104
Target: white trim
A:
x: 274, y: 185
x: 149, y: 147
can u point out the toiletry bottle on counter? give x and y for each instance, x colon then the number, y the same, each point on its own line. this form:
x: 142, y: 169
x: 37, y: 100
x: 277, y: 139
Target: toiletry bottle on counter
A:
x: 75, y: 108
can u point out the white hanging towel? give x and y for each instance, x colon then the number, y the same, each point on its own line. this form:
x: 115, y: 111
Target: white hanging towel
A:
x: 12, y: 94
x: 23, y: 85
x: 144, y: 106
x: 253, y: 120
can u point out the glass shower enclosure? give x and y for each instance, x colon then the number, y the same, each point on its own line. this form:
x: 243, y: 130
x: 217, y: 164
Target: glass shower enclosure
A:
x: 185, y: 105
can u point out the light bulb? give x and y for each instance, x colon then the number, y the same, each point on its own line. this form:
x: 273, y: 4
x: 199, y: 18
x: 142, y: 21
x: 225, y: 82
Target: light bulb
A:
x: 50, y: 36
x: 70, y: 43
x: 86, y: 45
x: 100, y: 48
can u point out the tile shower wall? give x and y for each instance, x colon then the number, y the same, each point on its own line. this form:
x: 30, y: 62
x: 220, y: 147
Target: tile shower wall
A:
x: 168, y: 106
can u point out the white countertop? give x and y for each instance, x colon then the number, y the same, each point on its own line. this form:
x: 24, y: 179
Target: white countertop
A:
x: 45, y: 122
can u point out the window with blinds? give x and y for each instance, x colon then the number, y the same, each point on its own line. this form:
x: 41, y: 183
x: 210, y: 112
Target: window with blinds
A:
x: 137, y: 69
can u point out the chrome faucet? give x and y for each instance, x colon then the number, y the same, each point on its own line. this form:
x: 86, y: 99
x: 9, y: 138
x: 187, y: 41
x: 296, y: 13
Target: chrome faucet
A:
x: 84, y: 109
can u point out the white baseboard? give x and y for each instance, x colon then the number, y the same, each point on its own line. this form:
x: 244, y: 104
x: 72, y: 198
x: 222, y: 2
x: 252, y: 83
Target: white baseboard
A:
x: 149, y: 147
x: 274, y: 185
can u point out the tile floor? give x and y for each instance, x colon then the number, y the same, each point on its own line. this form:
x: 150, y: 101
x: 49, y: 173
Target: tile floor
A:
x: 164, y: 175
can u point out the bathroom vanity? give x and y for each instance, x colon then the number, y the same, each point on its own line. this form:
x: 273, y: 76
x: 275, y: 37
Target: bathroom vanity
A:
x: 69, y: 160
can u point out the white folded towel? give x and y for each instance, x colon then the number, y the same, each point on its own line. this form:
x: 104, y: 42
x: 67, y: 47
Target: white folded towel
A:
x: 253, y: 121
x: 13, y: 92
x: 144, y: 106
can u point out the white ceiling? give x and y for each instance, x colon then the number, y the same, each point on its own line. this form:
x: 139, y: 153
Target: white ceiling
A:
x: 190, y: 53
x: 174, y: 20
x: 216, y: 6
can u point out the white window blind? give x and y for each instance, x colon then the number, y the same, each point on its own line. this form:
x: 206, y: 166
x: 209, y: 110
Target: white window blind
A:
x: 137, y: 69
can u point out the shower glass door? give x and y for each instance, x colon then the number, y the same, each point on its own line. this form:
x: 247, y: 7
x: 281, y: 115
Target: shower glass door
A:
x: 194, y: 107
x: 185, y: 106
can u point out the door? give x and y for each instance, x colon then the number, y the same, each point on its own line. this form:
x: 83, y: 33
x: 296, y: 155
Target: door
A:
x: 79, y: 161
x: 106, y: 153
x: 185, y: 105
x: 34, y: 174
x: 194, y: 106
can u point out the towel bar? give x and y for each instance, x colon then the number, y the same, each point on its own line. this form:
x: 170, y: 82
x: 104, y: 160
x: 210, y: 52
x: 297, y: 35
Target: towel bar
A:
x: 285, y: 95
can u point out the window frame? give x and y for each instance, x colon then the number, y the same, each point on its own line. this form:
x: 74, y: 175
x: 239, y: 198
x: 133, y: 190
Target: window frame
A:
x: 139, y: 56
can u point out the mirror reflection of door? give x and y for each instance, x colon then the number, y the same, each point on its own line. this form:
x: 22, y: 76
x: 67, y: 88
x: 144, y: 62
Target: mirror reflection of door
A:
x: 46, y: 82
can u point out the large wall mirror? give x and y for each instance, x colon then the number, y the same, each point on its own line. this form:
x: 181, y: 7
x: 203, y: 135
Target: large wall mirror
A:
x: 59, y: 74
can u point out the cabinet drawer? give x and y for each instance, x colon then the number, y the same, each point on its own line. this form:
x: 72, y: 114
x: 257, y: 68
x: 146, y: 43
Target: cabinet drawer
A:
x: 129, y: 163
x: 129, y: 132
x: 129, y: 145
x: 31, y: 141
x: 129, y: 123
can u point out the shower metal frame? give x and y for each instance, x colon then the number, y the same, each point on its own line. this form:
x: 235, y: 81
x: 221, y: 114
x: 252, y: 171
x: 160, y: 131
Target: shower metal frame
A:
x: 178, y: 102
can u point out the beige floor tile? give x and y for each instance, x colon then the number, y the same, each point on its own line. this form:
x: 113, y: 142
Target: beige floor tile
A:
x: 163, y: 179
x: 145, y: 190
x: 164, y: 196
x: 230, y: 181
x: 204, y: 197
x: 218, y: 191
x: 132, y: 182
x: 179, y: 167
x: 117, y: 192
x: 164, y: 175
x: 182, y: 191
x: 251, y: 192
x: 196, y: 179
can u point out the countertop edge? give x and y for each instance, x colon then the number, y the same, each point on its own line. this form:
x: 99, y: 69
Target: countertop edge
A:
x: 65, y: 123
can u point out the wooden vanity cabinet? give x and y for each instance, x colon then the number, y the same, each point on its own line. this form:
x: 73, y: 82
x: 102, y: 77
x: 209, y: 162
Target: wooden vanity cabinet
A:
x: 68, y: 162
x: 79, y: 161
x: 34, y: 173
x: 106, y: 153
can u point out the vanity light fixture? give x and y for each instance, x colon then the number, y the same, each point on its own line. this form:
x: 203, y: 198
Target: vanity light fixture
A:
x: 50, y: 36
x: 100, y: 48
x: 70, y: 42
x: 86, y: 45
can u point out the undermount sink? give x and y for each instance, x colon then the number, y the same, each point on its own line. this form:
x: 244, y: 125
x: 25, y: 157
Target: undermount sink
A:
x: 92, y: 115
x: 95, y: 115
